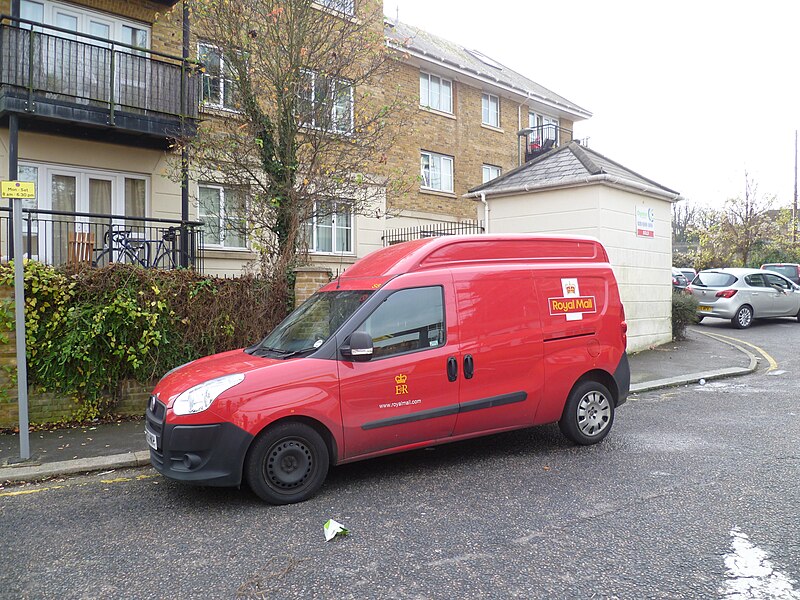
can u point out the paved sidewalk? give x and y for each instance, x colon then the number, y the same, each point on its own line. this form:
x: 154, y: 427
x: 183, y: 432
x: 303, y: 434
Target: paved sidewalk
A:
x: 109, y: 446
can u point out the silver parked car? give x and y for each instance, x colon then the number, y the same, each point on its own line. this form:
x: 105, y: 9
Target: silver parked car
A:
x: 742, y: 295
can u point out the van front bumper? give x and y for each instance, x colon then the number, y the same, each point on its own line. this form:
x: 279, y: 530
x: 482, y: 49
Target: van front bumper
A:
x: 202, y: 454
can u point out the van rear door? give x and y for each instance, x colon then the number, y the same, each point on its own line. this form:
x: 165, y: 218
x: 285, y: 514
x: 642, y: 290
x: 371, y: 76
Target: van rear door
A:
x: 501, y: 348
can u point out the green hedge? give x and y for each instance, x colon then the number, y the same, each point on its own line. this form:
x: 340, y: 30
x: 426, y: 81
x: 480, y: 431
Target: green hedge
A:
x: 89, y: 330
x: 684, y: 313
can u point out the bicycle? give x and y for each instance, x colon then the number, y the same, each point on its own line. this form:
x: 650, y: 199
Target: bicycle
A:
x: 120, y: 246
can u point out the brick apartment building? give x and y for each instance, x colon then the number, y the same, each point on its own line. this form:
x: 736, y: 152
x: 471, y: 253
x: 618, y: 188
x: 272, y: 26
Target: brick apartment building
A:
x: 98, y: 87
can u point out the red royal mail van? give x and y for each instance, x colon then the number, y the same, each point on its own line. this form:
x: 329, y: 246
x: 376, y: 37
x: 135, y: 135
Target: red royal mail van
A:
x: 417, y: 344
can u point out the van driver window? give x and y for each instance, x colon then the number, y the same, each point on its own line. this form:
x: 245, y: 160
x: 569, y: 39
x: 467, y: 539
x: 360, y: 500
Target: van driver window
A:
x: 407, y: 321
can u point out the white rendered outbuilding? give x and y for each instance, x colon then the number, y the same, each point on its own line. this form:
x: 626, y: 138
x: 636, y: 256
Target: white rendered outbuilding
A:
x: 575, y: 190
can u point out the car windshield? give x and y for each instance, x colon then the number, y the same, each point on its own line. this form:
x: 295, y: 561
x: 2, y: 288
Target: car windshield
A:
x: 313, y: 322
x: 713, y: 279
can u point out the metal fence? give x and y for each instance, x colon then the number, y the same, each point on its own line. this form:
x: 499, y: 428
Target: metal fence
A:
x: 404, y: 234
x: 40, y: 59
x: 73, y: 238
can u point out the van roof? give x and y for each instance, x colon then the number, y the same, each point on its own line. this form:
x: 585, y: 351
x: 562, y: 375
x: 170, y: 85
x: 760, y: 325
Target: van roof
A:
x: 376, y: 268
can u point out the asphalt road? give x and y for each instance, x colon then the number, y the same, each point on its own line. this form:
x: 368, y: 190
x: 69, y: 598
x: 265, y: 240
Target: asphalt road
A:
x: 695, y: 494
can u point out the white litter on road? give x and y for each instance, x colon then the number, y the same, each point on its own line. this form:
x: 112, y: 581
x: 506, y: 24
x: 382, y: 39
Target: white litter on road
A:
x: 751, y: 576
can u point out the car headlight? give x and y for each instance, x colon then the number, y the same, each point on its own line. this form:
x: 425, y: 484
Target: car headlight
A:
x: 200, y: 397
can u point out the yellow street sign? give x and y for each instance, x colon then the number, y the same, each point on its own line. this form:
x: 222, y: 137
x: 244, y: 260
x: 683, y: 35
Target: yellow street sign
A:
x: 18, y: 189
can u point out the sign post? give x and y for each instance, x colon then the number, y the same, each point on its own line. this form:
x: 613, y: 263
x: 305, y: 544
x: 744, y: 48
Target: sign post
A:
x: 16, y: 192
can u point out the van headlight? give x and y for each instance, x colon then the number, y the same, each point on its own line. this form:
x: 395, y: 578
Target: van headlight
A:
x: 200, y: 397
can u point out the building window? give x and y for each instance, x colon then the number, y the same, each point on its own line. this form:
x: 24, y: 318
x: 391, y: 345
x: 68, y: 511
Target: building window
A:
x: 81, y: 20
x: 490, y: 110
x: 325, y: 103
x: 330, y: 229
x: 75, y: 191
x: 219, y: 82
x: 222, y: 211
x: 435, y: 92
x: 436, y: 171
x: 343, y: 6
x: 490, y: 172
x: 544, y: 129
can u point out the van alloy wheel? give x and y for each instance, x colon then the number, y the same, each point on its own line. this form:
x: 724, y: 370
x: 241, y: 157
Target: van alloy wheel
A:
x: 588, y: 413
x: 287, y: 463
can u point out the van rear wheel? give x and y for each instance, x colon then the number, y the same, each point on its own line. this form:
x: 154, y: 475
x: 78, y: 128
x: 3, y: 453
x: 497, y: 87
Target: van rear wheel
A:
x: 287, y: 463
x: 588, y: 413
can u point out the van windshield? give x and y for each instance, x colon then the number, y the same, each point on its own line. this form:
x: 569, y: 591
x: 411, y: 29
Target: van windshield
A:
x: 313, y: 322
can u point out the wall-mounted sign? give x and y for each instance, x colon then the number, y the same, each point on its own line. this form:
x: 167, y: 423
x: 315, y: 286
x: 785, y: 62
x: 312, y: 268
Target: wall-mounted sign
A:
x: 645, y: 222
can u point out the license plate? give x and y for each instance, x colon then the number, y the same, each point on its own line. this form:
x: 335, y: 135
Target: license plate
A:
x: 704, y: 308
x: 152, y: 441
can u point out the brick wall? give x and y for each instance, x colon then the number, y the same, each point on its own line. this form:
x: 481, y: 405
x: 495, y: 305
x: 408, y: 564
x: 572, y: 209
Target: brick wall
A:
x: 307, y: 281
x: 460, y: 135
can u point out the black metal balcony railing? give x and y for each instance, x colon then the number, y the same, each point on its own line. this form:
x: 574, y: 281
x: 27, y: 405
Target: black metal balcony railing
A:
x: 542, y: 138
x: 73, y: 238
x: 405, y: 234
x: 52, y: 72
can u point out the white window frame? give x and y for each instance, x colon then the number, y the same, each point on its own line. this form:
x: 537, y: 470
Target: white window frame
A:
x: 82, y: 175
x: 86, y: 16
x: 441, y: 163
x: 425, y: 92
x: 223, y: 81
x: 488, y: 116
x: 331, y: 104
x: 222, y: 218
x: 539, y: 120
x: 491, y: 172
x: 313, y: 229
x: 345, y: 7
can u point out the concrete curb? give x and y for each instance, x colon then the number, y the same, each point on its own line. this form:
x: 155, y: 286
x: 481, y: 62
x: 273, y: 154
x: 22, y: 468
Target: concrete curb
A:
x: 658, y: 384
x: 68, y: 467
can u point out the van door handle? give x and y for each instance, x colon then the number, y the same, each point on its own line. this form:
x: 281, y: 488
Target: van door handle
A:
x: 452, y: 368
x: 469, y: 366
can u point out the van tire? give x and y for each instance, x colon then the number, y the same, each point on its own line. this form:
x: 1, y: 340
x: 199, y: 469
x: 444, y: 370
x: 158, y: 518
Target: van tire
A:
x: 588, y: 413
x: 743, y: 317
x: 287, y: 463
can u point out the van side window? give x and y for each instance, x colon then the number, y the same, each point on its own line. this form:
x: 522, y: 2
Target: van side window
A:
x: 407, y: 321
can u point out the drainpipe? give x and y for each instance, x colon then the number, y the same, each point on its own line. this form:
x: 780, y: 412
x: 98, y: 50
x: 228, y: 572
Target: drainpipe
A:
x: 519, y: 127
x: 485, y: 212
x: 184, y: 257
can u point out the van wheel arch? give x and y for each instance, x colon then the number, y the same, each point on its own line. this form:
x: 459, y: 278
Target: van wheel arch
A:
x: 602, y: 377
x: 322, y: 430
x: 588, y: 411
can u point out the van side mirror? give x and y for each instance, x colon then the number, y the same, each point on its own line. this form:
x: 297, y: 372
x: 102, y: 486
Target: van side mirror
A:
x: 358, y: 347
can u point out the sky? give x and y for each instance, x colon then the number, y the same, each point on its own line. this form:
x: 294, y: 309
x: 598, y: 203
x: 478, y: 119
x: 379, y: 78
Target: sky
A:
x: 690, y: 94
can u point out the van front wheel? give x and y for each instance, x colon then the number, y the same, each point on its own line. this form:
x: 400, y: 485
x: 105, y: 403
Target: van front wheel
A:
x: 588, y: 413
x: 288, y: 463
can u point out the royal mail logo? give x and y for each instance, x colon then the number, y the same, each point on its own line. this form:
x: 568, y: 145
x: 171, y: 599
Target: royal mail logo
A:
x: 400, y: 388
x: 572, y: 305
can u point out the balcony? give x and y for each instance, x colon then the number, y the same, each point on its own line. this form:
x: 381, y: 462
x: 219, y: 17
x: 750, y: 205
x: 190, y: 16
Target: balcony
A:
x: 74, y: 238
x: 405, y: 234
x: 86, y: 86
x: 543, y: 138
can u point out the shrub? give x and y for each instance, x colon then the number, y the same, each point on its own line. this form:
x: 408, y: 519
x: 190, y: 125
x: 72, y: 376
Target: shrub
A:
x: 89, y: 330
x: 684, y: 313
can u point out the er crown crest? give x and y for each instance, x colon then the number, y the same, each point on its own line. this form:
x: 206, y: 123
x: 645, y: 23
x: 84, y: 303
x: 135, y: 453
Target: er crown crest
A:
x: 570, y: 288
x: 401, y: 379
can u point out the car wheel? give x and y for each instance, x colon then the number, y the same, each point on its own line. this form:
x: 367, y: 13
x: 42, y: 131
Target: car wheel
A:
x: 743, y: 317
x: 588, y: 413
x: 287, y: 463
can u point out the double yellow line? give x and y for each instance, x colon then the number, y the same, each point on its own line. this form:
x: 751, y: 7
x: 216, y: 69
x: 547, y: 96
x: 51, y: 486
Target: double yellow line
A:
x: 773, y: 364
